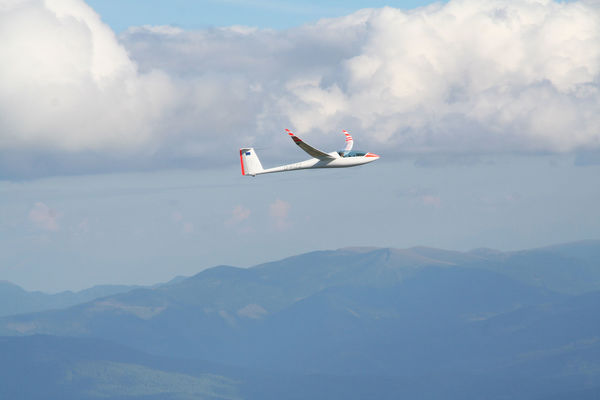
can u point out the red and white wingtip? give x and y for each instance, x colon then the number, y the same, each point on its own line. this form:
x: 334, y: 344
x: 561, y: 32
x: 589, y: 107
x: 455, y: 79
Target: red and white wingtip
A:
x: 349, y: 140
x: 371, y: 155
x: 295, y: 138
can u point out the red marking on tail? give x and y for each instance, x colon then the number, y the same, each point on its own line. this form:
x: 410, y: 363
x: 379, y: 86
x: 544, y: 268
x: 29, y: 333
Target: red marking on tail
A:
x: 242, y: 163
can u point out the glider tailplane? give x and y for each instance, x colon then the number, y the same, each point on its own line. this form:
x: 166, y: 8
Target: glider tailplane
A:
x: 250, y: 163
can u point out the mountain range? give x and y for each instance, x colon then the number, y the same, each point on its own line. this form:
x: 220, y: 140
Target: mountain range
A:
x: 348, y: 323
x: 16, y: 300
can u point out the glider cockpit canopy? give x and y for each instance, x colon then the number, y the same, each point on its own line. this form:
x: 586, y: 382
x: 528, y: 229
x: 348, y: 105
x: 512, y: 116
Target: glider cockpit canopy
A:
x: 352, y: 153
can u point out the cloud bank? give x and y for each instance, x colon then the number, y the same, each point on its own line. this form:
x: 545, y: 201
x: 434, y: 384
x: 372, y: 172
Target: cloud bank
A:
x: 466, y: 77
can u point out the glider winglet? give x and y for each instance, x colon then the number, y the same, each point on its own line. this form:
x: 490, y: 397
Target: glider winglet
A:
x: 309, y: 149
x: 349, y: 141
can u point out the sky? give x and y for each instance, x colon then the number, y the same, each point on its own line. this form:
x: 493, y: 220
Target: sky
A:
x: 120, y: 124
x: 188, y: 14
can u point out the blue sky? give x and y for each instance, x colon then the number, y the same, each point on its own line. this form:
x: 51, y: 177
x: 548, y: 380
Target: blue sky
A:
x: 202, y: 14
x: 119, y: 146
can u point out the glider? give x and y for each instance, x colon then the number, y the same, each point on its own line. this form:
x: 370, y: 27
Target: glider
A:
x: 251, y: 165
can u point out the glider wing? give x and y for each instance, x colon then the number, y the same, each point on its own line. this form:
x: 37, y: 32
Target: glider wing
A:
x: 309, y: 149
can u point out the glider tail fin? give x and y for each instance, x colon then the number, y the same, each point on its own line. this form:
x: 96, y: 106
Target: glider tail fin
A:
x: 250, y: 163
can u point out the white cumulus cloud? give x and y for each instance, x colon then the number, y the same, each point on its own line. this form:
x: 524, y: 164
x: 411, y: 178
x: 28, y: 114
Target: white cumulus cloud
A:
x: 66, y: 82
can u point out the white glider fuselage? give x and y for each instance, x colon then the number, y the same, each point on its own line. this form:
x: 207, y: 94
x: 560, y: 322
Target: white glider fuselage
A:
x: 337, y: 159
x: 338, y: 162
